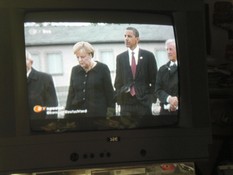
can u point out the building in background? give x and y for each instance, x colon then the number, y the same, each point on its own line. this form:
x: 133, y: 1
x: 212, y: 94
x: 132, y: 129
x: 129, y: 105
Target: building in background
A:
x: 51, y: 46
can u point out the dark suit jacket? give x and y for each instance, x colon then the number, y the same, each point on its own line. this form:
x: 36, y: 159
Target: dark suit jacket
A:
x: 166, y: 83
x: 144, y: 81
x: 41, y: 92
x: 92, y: 91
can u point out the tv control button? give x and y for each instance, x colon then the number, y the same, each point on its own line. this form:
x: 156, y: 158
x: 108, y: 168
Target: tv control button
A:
x: 74, y: 157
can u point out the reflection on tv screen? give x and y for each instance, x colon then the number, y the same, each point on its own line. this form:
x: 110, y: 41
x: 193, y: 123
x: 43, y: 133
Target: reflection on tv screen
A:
x: 100, y: 76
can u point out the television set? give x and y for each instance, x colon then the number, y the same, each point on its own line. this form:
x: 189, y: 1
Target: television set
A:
x: 28, y: 145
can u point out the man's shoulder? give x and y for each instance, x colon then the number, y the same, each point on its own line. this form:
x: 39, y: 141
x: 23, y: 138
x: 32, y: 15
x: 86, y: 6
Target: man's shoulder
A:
x: 42, y: 74
x: 122, y: 54
x: 144, y: 51
x: 164, y: 67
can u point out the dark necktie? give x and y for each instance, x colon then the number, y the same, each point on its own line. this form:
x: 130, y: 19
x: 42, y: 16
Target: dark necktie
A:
x: 173, y: 68
x: 133, y: 65
x: 133, y: 68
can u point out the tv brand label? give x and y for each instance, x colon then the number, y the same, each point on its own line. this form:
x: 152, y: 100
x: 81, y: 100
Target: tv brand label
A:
x: 113, y: 139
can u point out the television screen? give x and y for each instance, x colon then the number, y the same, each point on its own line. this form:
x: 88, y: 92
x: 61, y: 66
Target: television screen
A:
x: 75, y: 99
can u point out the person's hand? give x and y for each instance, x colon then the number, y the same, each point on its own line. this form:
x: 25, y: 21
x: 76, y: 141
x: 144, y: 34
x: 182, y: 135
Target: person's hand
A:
x: 173, y: 101
x: 173, y: 108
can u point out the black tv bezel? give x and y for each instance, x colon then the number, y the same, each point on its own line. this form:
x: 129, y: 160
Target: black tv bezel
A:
x: 189, y: 142
x: 101, y: 122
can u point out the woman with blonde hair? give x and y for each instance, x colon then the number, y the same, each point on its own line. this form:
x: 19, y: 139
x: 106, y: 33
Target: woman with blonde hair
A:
x: 90, y: 89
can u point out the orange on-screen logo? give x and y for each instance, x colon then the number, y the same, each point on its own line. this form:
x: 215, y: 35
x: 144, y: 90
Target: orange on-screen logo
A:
x: 39, y: 108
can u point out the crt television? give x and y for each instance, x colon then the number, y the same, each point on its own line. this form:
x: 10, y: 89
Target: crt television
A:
x: 28, y: 145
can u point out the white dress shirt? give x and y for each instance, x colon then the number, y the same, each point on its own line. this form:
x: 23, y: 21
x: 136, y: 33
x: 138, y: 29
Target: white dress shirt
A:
x: 136, y: 52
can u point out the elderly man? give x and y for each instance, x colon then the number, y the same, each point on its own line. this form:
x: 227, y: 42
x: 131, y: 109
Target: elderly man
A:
x: 41, y: 91
x: 167, y: 81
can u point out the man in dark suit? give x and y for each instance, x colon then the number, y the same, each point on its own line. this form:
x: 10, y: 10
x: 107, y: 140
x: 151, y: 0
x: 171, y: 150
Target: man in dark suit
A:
x: 167, y: 81
x: 41, y: 91
x: 136, y: 71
